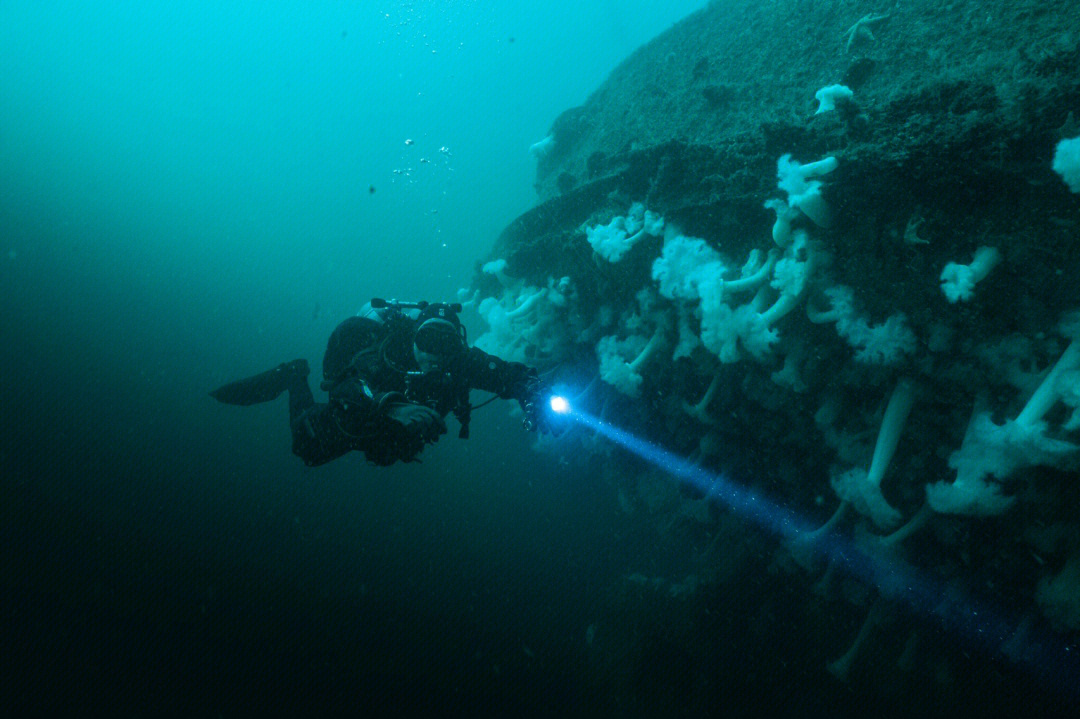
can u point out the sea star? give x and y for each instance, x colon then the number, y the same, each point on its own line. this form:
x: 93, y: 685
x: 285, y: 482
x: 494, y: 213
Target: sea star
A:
x: 861, y: 29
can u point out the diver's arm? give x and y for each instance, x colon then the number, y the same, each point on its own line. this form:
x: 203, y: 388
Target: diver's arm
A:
x: 512, y: 380
x: 383, y: 425
x: 509, y: 380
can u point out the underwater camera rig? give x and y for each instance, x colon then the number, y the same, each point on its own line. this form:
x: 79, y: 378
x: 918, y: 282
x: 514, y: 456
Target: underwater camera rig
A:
x: 410, y: 312
x: 378, y: 303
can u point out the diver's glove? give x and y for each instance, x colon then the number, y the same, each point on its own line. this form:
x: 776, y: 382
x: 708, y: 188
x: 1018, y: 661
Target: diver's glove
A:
x: 534, y: 399
x: 407, y: 427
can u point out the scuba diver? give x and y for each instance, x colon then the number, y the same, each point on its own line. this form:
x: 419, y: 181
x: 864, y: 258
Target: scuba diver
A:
x: 393, y: 372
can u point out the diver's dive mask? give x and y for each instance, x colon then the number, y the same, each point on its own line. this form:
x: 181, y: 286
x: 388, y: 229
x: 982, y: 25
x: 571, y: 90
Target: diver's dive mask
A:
x: 439, y: 339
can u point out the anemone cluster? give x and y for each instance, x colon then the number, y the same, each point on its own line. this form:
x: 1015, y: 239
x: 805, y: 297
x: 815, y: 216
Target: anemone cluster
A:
x: 753, y: 359
x: 867, y: 311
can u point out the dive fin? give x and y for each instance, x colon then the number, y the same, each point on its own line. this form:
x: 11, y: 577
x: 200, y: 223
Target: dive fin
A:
x: 262, y: 387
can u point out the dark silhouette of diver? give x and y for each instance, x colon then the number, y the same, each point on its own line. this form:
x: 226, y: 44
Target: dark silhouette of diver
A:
x: 393, y: 372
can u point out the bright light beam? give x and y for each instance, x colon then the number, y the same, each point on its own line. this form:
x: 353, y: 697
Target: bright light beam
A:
x: 1044, y: 654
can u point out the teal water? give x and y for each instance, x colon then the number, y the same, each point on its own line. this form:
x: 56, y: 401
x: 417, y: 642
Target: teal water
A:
x: 195, y: 192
